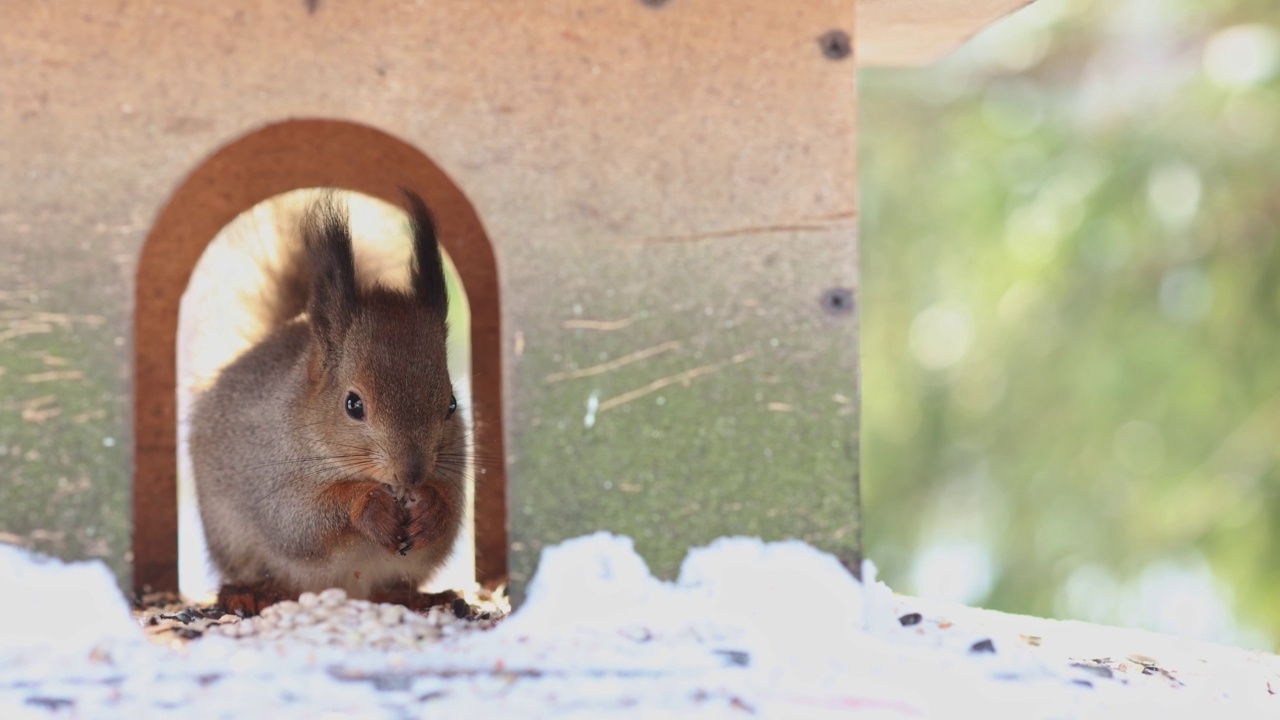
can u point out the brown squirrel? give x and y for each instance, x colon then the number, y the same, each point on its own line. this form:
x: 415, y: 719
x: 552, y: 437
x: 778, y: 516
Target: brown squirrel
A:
x: 331, y: 454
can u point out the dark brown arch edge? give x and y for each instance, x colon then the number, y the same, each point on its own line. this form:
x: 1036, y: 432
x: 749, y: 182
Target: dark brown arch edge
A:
x: 272, y: 160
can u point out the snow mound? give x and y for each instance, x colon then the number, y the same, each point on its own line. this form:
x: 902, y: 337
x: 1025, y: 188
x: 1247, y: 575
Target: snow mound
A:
x: 754, y: 579
x: 52, y: 608
x: 589, y: 583
x: 745, y: 597
x: 768, y: 629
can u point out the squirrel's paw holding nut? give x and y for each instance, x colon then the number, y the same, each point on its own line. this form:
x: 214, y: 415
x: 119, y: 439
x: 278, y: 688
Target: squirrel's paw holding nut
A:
x: 375, y: 514
x: 429, y: 515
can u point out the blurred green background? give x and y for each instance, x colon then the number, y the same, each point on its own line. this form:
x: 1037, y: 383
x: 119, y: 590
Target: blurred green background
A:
x: 1071, y: 317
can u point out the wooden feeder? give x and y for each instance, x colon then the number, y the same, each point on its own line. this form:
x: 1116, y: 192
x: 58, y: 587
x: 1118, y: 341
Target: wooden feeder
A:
x: 651, y: 204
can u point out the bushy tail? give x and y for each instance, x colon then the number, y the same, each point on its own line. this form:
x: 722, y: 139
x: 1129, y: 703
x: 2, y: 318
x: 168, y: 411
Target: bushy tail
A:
x: 289, y: 271
x: 287, y: 275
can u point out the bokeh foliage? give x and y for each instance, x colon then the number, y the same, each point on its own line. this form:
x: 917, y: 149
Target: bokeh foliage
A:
x: 1071, y: 314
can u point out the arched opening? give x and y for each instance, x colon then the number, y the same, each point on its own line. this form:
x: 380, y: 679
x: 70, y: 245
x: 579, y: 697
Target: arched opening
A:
x: 219, y: 320
x: 271, y: 161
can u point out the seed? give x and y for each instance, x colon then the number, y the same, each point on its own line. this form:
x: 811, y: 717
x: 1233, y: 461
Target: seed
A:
x: 983, y: 646
x: 392, y: 682
x: 460, y: 608
x: 391, y: 614
x: 910, y: 619
x: 1101, y: 671
x: 52, y: 704
x: 333, y: 597
x: 736, y: 658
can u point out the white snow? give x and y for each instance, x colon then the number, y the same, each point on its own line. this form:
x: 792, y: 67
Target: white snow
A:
x: 80, y: 600
x: 748, y: 629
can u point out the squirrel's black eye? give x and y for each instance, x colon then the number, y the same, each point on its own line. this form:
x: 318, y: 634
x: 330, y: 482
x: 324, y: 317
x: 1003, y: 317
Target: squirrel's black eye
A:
x: 355, y: 406
x: 453, y: 405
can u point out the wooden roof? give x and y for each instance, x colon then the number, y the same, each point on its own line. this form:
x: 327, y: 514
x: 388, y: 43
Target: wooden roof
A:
x: 918, y: 32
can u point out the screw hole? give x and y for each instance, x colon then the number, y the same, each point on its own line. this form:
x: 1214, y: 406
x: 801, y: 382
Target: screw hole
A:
x: 838, y: 301
x: 836, y: 44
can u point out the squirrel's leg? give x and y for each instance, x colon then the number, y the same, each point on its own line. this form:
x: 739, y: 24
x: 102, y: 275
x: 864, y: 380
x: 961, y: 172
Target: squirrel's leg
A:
x: 339, y: 509
x: 412, y: 599
x: 248, y: 600
x: 368, y: 508
x: 308, y: 522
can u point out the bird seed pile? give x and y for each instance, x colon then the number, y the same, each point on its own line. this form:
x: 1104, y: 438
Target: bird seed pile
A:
x: 328, y: 618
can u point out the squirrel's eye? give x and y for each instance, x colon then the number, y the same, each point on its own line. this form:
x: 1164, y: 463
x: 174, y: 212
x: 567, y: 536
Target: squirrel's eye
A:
x: 355, y: 406
x: 453, y: 405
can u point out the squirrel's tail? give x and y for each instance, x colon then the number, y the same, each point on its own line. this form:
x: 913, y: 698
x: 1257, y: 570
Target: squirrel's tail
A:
x: 287, y: 287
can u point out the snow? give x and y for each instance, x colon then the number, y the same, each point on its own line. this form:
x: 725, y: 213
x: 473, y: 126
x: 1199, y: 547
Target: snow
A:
x: 748, y: 629
x: 40, y: 594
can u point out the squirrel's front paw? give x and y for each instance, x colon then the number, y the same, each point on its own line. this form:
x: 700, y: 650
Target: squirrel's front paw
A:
x: 377, y: 515
x: 430, y: 516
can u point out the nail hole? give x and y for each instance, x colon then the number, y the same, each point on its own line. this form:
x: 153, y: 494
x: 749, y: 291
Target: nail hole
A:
x: 836, y: 44
x: 838, y: 301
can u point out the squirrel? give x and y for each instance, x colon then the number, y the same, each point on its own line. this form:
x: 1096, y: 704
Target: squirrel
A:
x: 331, y: 453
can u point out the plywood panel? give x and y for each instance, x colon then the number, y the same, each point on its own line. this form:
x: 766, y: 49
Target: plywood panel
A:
x: 682, y: 172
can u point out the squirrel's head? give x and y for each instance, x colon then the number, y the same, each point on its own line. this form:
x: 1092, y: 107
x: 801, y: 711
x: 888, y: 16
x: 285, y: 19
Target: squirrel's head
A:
x: 381, y: 400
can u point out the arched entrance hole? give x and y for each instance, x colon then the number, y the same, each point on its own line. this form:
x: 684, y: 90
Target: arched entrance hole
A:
x: 266, y: 163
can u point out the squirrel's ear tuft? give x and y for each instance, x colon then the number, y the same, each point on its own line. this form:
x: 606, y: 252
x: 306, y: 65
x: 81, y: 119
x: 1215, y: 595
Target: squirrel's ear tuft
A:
x: 326, y: 233
x: 428, y: 267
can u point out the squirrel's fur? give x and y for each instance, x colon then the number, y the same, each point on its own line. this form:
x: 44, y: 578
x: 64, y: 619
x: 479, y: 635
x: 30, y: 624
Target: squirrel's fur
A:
x: 330, y: 453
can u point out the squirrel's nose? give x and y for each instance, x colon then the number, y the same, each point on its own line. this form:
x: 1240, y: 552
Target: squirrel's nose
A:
x: 414, y: 471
